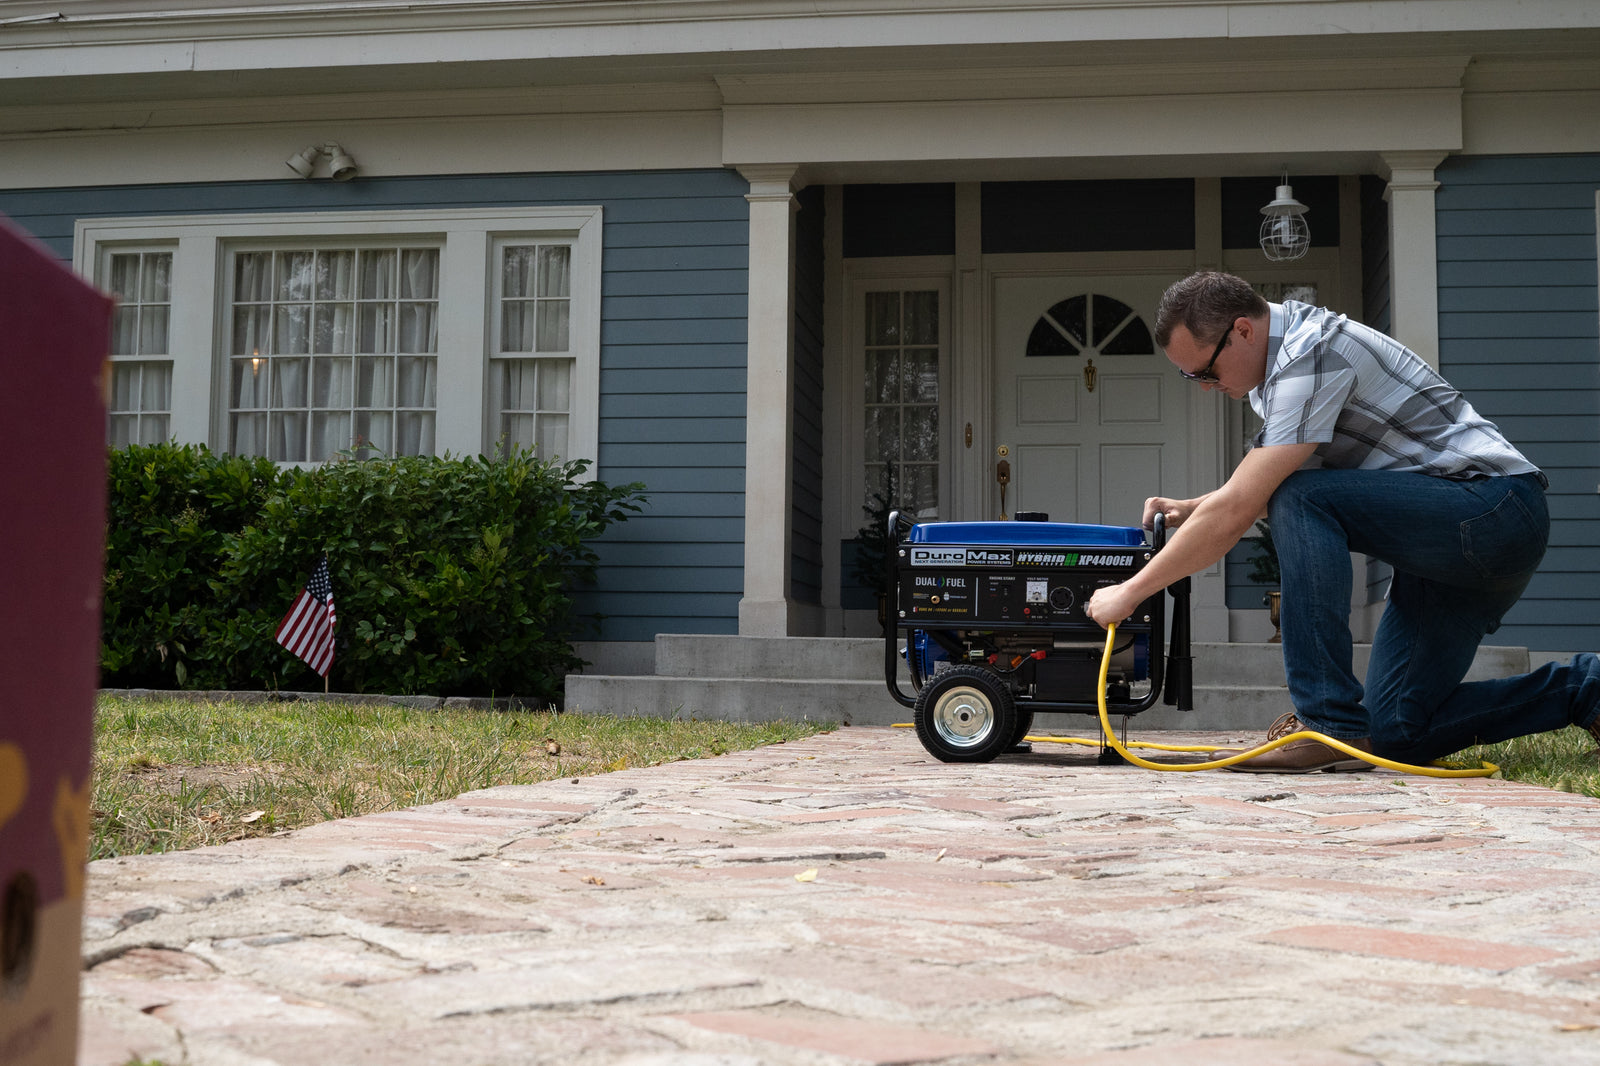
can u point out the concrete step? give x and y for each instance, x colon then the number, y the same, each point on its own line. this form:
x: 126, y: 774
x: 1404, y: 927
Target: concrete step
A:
x: 755, y: 679
x: 868, y: 703
x: 789, y: 658
x: 861, y: 659
x: 1262, y: 664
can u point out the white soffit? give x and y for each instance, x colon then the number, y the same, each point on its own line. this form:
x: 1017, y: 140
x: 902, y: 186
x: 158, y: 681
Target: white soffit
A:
x: 1302, y: 74
x: 421, y: 146
x: 1181, y: 125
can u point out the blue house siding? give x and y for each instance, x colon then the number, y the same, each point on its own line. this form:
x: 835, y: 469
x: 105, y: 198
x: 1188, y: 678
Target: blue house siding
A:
x: 672, y: 353
x: 1519, y: 333
x: 1240, y: 593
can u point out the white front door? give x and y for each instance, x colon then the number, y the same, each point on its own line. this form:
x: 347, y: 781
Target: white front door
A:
x: 1089, y: 415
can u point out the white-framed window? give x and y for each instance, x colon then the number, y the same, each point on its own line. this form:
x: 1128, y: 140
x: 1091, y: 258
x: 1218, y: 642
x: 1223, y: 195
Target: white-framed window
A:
x: 140, y: 405
x: 903, y: 351
x: 531, y: 361
x: 332, y: 348
x: 302, y: 336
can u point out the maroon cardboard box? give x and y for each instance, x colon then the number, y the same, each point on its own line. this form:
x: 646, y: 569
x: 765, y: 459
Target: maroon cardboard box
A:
x: 54, y: 338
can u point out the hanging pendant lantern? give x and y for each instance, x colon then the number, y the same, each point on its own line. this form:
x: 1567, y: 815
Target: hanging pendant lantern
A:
x: 1284, y: 233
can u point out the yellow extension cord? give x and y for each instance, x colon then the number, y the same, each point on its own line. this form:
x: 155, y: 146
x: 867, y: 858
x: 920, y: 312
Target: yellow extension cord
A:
x: 1438, y: 769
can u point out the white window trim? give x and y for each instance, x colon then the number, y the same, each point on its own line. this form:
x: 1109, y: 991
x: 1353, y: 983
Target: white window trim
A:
x: 497, y: 350
x: 853, y: 450
x: 467, y: 239
x: 100, y: 271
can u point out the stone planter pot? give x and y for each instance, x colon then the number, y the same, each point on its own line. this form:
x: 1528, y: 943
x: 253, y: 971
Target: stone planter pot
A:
x: 1274, y: 602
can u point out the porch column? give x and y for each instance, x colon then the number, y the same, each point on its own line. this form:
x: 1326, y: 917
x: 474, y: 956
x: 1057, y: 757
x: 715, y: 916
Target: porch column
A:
x: 1413, y: 251
x: 769, y: 404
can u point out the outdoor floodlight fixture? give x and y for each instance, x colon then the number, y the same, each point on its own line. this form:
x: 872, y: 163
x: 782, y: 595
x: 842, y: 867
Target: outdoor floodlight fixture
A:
x: 340, y: 166
x: 1284, y: 233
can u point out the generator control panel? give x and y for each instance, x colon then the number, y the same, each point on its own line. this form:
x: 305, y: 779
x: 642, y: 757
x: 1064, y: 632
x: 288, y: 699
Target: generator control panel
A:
x: 951, y: 584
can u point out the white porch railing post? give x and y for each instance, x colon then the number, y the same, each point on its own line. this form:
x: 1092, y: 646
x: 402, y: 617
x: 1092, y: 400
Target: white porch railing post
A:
x: 1413, y: 251
x: 765, y: 609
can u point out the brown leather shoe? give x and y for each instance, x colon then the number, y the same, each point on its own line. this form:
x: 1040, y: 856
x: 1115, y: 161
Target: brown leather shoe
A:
x: 1300, y: 756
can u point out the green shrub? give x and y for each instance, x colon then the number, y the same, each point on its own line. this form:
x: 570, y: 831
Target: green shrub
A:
x: 170, y: 515
x: 450, y: 576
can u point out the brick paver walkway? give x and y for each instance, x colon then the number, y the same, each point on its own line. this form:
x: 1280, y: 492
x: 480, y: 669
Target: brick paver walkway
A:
x: 847, y: 899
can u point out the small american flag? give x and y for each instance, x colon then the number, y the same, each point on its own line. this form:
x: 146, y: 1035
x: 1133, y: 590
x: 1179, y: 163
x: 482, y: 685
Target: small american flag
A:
x: 307, y: 630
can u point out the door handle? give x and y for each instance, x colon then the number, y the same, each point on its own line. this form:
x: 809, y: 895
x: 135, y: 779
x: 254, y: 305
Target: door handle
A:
x: 1002, y: 475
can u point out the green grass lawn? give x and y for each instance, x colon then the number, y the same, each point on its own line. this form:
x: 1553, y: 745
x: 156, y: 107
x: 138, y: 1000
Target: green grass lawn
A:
x: 172, y: 774
x: 1566, y: 759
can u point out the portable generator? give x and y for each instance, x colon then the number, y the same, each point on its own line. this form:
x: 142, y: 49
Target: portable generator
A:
x: 990, y: 617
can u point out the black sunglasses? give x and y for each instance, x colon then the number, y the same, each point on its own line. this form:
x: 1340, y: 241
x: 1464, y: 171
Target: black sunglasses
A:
x: 1206, y: 374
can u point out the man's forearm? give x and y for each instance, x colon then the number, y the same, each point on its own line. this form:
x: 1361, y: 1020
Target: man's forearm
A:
x: 1205, y: 536
x: 1207, y: 532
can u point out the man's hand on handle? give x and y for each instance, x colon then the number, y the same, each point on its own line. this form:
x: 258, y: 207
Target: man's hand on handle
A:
x: 1176, y: 512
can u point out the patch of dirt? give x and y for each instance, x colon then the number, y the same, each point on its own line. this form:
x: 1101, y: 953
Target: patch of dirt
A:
x: 174, y: 777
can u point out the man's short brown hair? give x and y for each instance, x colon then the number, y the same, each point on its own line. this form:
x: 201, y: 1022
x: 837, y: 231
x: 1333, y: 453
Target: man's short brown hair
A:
x: 1206, y: 304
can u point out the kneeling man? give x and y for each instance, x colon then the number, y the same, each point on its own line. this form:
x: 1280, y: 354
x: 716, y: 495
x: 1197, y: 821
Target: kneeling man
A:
x: 1364, y: 448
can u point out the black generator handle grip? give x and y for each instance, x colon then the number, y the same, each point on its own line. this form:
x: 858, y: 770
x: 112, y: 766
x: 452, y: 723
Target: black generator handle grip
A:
x: 891, y: 606
x: 1179, y: 687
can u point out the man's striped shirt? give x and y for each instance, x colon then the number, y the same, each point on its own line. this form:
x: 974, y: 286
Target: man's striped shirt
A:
x: 1370, y: 403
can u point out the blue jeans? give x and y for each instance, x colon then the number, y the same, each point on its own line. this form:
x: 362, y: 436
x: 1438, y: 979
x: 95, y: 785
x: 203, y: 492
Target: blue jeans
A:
x: 1462, y: 552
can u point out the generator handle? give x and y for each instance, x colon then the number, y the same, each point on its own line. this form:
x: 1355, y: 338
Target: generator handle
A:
x: 891, y: 607
x: 1179, y: 687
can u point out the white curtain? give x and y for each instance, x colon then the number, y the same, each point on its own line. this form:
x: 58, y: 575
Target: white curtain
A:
x: 330, y: 434
x: 334, y: 331
x: 552, y: 437
x: 252, y: 299
x: 286, y: 442
x: 155, y: 388
x: 419, y: 301
x: 125, y: 387
x: 332, y: 390
x: 555, y: 291
x: 142, y: 282
x: 553, y: 325
x: 517, y: 304
x: 534, y: 401
x: 252, y: 348
x: 249, y: 387
x: 375, y: 429
x: 327, y: 344
x: 286, y: 436
x: 512, y: 392
x: 153, y: 320
x: 417, y: 381
x: 413, y: 433
x: 249, y: 433
x: 535, y: 297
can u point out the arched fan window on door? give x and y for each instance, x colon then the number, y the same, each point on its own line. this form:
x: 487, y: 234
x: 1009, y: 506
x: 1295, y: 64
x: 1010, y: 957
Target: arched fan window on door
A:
x: 1090, y: 324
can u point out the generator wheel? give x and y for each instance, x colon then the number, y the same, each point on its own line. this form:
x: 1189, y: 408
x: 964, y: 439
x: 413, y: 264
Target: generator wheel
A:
x: 1024, y: 724
x: 965, y: 714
